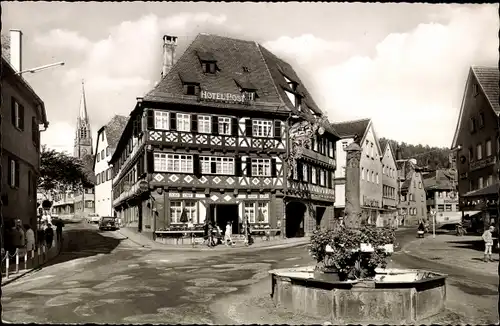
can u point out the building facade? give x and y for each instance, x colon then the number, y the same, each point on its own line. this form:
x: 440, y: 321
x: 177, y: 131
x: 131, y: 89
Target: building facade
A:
x: 371, y: 187
x: 107, y: 139
x: 210, y: 142
x: 390, y: 188
x: 22, y: 113
x: 442, y: 196
x: 412, y: 202
x: 476, y: 143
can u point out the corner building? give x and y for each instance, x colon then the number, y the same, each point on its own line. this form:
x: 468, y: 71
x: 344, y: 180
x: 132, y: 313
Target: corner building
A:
x: 210, y: 141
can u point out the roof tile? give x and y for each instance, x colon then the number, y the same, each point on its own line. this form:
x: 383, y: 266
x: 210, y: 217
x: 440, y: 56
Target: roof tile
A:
x: 489, y: 80
x: 348, y: 129
x: 114, y: 129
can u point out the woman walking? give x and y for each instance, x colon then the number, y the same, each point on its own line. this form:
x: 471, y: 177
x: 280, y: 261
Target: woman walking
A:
x: 30, y: 238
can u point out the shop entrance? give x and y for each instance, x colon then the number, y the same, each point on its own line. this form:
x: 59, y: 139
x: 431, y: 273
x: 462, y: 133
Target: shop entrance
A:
x: 222, y: 213
x: 295, y: 212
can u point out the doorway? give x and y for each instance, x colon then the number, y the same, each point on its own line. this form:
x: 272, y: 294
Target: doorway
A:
x: 223, y: 213
x: 295, y: 212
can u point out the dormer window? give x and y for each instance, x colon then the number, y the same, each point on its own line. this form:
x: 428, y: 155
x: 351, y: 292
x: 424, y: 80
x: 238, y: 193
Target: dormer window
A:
x: 190, y: 89
x: 292, y: 84
x: 247, y: 89
x: 208, y: 62
x: 296, y: 99
x: 190, y: 84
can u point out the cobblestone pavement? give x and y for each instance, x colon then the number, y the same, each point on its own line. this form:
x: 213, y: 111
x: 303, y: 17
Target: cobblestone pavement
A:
x: 120, y: 282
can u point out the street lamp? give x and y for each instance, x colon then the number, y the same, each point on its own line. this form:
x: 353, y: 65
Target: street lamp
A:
x: 33, y: 70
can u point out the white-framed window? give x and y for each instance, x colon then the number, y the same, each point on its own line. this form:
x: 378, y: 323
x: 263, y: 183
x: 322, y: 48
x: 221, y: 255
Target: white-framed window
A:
x: 173, y: 163
x: 263, y: 212
x: 223, y: 165
x: 261, y: 167
x: 204, y: 124
x: 161, y: 120
x: 18, y: 118
x: 313, y: 175
x: 190, y: 207
x: 175, y: 211
x: 480, y: 183
x: 305, y: 173
x: 488, y: 148
x: 183, y: 122
x: 315, y: 143
x: 479, y: 148
x: 224, y: 126
x: 262, y: 128
x: 490, y: 180
x: 322, y: 177
x: 250, y: 212
x: 362, y: 173
x: 330, y: 148
x: 14, y: 173
x: 377, y: 178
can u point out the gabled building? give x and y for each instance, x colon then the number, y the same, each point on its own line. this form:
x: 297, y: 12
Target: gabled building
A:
x: 23, y: 112
x: 412, y: 202
x: 390, y: 188
x: 442, y: 196
x: 210, y: 142
x: 107, y: 139
x: 476, y: 142
x: 371, y: 190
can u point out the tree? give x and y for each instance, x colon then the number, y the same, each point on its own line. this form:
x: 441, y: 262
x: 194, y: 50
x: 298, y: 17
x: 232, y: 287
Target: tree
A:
x: 6, y: 46
x: 60, y: 172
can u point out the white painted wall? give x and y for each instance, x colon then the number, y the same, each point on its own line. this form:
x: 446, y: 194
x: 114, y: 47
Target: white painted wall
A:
x: 103, y: 198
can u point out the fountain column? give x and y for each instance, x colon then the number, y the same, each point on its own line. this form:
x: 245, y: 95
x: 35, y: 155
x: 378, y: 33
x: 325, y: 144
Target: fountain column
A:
x: 352, y: 217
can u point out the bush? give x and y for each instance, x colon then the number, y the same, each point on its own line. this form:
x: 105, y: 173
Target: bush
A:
x: 346, y: 257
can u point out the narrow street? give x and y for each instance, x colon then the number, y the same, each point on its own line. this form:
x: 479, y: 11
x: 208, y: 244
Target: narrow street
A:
x: 101, y: 277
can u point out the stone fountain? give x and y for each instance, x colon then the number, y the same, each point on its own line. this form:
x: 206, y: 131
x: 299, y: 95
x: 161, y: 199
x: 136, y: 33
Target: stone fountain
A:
x: 392, y: 296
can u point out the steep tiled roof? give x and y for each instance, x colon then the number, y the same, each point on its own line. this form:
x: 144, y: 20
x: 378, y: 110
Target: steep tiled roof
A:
x: 231, y: 56
x: 488, y: 78
x: 114, y: 129
x: 347, y: 129
x: 439, y: 180
x: 240, y: 63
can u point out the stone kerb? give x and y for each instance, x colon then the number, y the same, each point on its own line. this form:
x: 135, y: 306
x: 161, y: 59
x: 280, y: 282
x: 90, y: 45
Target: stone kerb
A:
x: 360, y: 301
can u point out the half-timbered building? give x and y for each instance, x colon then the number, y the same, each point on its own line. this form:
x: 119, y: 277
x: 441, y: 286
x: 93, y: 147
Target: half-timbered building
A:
x: 210, y: 142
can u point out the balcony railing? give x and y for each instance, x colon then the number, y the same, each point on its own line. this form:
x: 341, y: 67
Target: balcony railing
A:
x: 319, y: 157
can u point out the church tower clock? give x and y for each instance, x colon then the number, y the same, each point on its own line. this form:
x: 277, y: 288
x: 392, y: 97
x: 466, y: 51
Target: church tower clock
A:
x: 83, y: 136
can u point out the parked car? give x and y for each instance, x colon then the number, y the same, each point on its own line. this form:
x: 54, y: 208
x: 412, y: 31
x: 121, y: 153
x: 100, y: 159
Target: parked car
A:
x: 93, y: 218
x: 108, y: 223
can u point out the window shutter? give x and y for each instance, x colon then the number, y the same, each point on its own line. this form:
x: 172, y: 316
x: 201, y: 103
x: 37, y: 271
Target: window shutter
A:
x: 329, y: 176
x: 9, y: 174
x: 300, y: 171
x: 237, y: 166
x: 150, y: 162
x: 249, y: 167
x: 173, y: 121
x: 277, y: 129
x: 17, y: 174
x: 309, y: 173
x: 213, y: 167
x: 248, y: 127
x: 151, y: 120
x: 196, y: 165
x: 194, y: 123
x: 13, y: 111
x: 234, y: 127
x: 21, y: 117
x: 215, y: 125
x: 318, y: 176
x: 273, y: 167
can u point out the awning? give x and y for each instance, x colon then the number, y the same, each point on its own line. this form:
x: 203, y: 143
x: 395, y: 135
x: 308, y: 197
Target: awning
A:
x: 471, y: 213
x: 487, y: 191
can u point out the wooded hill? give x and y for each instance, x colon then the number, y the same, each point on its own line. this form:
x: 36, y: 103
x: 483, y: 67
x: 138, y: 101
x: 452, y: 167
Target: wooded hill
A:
x: 431, y: 157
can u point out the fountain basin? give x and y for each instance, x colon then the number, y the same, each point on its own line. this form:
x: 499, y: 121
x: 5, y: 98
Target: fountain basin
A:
x: 394, y: 296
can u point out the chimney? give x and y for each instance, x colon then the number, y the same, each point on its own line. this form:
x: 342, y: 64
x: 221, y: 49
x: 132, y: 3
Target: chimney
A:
x: 169, y: 45
x: 16, y: 37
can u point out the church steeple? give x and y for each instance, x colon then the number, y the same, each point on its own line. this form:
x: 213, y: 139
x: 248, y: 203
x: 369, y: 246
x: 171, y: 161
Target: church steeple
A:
x: 83, y: 137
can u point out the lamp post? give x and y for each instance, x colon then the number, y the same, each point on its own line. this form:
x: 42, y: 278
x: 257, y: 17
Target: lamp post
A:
x: 33, y: 70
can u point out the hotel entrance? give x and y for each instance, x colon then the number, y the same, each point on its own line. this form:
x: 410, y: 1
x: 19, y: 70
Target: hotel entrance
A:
x: 222, y: 213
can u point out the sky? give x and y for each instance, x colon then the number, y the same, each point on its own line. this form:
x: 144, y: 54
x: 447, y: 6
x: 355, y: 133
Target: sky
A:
x: 402, y: 65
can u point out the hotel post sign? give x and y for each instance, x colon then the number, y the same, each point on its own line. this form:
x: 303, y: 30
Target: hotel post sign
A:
x: 243, y: 98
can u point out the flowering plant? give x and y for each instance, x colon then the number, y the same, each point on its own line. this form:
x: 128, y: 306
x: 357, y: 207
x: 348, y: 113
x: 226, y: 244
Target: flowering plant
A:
x: 339, y: 249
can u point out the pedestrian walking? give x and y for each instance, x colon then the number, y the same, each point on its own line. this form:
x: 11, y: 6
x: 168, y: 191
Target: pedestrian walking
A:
x: 227, y: 235
x: 30, y: 238
x: 488, y: 243
x: 49, y: 236
x: 19, y: 237
x: 59, y: 227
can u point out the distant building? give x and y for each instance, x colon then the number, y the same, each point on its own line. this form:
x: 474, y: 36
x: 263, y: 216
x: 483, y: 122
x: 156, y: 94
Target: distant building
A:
x: 442, y: 196
x: 107, y: 139
x: 412, y: 202
x: 390, y: 188
x: 209, y: 142
x: 371, y: 188
x: 476, y: 143
x: 23, y: 111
